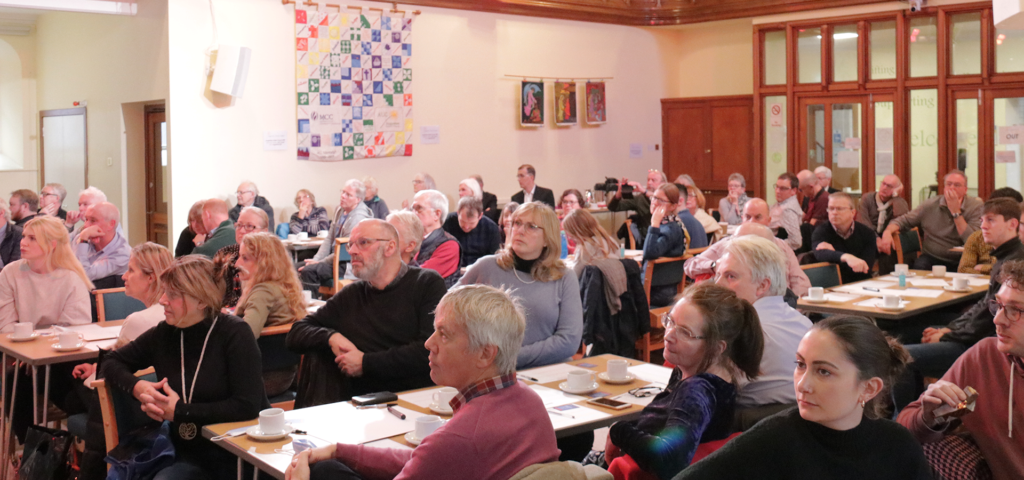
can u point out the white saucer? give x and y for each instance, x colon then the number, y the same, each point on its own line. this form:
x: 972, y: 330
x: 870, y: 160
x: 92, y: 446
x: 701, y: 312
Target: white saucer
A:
x: 255, y: 433
x: 57, y: 347
x: 564, y: 386
x: 441, y: 410
x: 411, y: 438
x: 34, y: 336
x: 948, y: 288
x: 604, y: 377
x: 909, y: 274
x: 891, y: 309
x: 808, y: 299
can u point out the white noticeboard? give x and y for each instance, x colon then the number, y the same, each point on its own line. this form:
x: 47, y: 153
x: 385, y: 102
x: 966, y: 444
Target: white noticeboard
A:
x: 275, y: 140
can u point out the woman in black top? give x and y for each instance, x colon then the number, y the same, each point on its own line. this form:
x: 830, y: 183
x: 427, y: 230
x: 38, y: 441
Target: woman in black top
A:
x: 221, y: 381
x: 844, y: 365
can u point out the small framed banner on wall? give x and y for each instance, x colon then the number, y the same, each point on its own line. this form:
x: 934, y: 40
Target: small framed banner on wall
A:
x: 596, y: 110
x: 353, y: 80
x: 565, y: 103
x: 531, y: 110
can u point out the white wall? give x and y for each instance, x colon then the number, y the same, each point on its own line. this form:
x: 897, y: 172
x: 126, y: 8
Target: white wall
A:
x: 460, y: 59
x: 18, y: 131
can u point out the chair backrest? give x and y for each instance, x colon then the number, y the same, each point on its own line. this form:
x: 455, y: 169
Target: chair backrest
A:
x: 122, y: 413
x: 114, y: 304
x: 629, y: 234
x: 906, y: 244
x: 273, y: 350
x: 823, y: 274
x: 665, y: 271
x: 340, y: 255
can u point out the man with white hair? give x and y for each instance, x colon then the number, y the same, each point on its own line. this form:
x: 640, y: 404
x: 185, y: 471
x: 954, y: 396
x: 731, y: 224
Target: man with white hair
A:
x: 248, y: 195
x: 101, y: 247
x: 824, y: 175
x: 410, y: 234
x: 440, y: 251
x: 350, y: 212
x: 640, y: 203
x: 815, y: 204
x: 421, y: 181
x: 369, y: 336
x: 51, y: 200
x: 877, y: 210
x: 10, y: 237
x: 86, y: 198
x: 499, y: 426
x: 756, y: 219
x: 755, y: 269
x: 373, y: 201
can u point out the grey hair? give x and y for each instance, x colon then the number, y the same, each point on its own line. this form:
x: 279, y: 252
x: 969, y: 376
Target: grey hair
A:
x: 765, y: 259
x: 255, y: 189
x: 823, y: 169
x: 428, y: 181
x: 736, y: 177
x: 954, y: 172
x: 360, y: 187
x: 259, y: 214
x: 93, y: 192
x: 478, y: 191
x: 61, y: 191
x: 370, y: 182
x: 490, y: 317
x: 409, y: 224
x: 479, y: 179
x: 438, y: 201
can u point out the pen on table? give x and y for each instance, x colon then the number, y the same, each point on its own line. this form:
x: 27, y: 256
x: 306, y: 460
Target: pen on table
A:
x: 396, y: 413
x: 872, y: 289
x: 556, y: 412
x: 534, y: 380
x: 364, y: 407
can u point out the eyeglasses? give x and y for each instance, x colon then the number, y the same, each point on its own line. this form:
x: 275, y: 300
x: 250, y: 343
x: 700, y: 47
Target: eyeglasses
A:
x: 662, y: 200
x: 954, y: 185
x: 522, y: 175
x: 530, y: 227
x: 44, y: 194
x: 643, y: 392
x: 245, y: 227
x: 837, y: 209
x: 779, y: 187
x: 364, y: 242
x: 1012, y: 313
x: 666, y: 321
x: 243, y: 192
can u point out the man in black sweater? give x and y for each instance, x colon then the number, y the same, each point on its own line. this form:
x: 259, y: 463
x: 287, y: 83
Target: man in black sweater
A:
x: 369, y: 337
x: 846, y: 242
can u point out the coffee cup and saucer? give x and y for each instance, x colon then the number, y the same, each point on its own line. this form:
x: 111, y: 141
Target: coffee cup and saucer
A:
x: 579, y: 382
x: 891, y: 303
x: 425, y: 425
x: 440, y: 402
x: 23, y: 332
x: 271, y: 426
x: 816, y: 295
x: 68, y: 341
x: 960, y: 285
x: 617, y: 373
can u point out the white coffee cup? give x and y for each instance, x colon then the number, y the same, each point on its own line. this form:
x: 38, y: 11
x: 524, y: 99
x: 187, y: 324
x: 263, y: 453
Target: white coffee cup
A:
x: 307, y: 296
x: 292, y: 237
x: 902, y: 268
x: 444, y: 395
x: 939, y: 271
x: 580, y: 379
x: 891, y: 301
x: 272, y: 421
x: 69, y: 339
x: 322, y: 234
x: 960, y: 283
x: 22, y: 330
x: 617, y: 369
x: 426, y: 425
x: 816, y: 293
x: 303, y: 236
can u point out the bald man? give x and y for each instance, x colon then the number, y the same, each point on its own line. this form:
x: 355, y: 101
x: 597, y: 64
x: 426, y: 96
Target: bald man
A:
x: 221, y: 232
x: 100, y: 246
x: 756, y: 218
x: 877, y: 209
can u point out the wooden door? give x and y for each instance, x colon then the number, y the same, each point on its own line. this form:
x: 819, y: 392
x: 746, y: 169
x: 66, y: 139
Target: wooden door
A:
x: 156, y: 176
x: 709, y: 139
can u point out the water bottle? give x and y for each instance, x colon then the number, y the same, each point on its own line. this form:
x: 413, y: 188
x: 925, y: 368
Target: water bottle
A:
x: 903, y: 279
x: 565, y: 247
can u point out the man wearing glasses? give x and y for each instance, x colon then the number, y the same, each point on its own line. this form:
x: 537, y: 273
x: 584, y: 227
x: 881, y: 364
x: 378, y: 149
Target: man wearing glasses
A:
x: 945, y: 222
x: 351, y: 211
x: 844, y: 241
x: 249, y: 196
x: 878, y: 210
x: 786, y: 214
x: 51, y: 200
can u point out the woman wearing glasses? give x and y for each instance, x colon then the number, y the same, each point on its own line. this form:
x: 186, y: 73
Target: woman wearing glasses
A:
x: 310, y: 218
x: 714, y: 340
x: 844, y: 366
x: 665, y: 238
x: 251, y: 220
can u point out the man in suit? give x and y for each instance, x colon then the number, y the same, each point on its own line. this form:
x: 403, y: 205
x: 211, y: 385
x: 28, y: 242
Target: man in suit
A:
x: 10, y: 237
x: 531, y: 192
x: 489, y: 200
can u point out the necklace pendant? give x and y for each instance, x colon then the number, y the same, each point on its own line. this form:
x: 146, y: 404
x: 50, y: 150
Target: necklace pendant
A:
x: 187, y: 431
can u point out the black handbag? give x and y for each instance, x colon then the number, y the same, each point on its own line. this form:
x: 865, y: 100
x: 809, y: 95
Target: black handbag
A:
x: 46, y: 455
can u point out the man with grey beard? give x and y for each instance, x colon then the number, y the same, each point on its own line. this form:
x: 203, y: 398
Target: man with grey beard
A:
x: 369, y: 337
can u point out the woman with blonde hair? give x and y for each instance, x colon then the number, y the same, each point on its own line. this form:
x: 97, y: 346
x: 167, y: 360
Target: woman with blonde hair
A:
x: 529, y: 263
x: 593, y: 243
x: 310, y: 218
x: 208, y: 364
x: 194, y: 233
x: 695, y: 204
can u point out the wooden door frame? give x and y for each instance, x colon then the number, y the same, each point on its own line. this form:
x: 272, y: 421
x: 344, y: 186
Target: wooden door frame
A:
x: 867, y: 148
x: 150, y: 175
x: 63, y: 112
x: 986, y: 134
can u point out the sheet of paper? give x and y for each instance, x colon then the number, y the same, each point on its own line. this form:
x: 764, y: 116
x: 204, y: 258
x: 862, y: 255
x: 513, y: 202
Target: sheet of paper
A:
x: 343, y: 423
x: 914, y: 292
x: 93, y: 332
x: 104, y: 344
x: 859, y: 291
x: 275, y: 140
x: 1006, y: 156
x: 878, y: 302
x: 883, y: 139
x: 636, y: 150
x: 551, y: 373
x: 1011, y: 135
x: 652, y: 373
x: 572, y: 415
x: 928, y: 282
x: 977, y: 282
x: 642, y: 401
x: 883, y: 163
x: 848, y: 159
x: 852, y: 143
x: 422, y: 398
x: 430, y: 135
x: 553, y: 397
x: 839, y: 297
x: 880, y: 282
x: 962, y: 275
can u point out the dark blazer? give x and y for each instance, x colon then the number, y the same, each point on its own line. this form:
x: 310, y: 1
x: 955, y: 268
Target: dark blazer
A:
x: 10, y: 249
x: 491, y: 209
x: 540, y: 194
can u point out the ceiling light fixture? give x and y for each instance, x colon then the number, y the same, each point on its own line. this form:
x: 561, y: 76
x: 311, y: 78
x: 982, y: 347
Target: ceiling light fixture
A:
x: 110, y: 7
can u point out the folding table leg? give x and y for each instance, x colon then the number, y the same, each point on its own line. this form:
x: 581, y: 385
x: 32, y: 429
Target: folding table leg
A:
x: 35, y: 395
x: 239, y: 468
x: 8, y: 429
x: 46, y: 394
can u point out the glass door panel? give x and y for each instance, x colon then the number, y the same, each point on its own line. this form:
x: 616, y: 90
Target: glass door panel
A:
x: 844, y: 53
x: 809, y: 55
x: 967, y: 142
x: 815, y: 136
x: 924, y: 146
x: 846, y: 147
x: 883, y: 142
x: 1008, y: 123
x: 775, y: 141
x: 830, y: 135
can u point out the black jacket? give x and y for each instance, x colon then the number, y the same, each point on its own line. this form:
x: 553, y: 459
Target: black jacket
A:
x: 260, y: 203
x: 977, y: 323
x: 491, y: 209
x: 10, y: 249
x: 616, y: 334
x: 540, y: 194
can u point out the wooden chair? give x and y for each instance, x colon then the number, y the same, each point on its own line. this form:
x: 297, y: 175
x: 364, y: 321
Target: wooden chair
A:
x: 275, y: 355
x: 629, y: 234
x: 340, y: 255
x: 905, y: 244
x: 823, y: 274
x: 122, y: 413
x: 114, y: 304
x: 660, y: 272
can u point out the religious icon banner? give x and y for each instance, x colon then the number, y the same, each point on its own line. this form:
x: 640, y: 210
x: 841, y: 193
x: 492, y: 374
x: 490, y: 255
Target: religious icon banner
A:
x: 565, y: 103
x: 531, y: 108
x: 596, y: 110
x: 353, y: 81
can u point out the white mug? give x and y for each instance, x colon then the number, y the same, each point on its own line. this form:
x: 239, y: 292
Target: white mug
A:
x: 960, y: 283
x: 292, y: 237
x: 303, y: 236
x: 322, y: 234
x: 617, y: 369
x: 444, y: 395
x: 891, y: 301
x: 426, y: 425
x: 69, y: 339
x: 272, y: 421
x: 307, y: 296
x: 816, y: 293
x: 939, y: 271
x: 902, y: 268
x: 580, y: 379
x: 22, y: 330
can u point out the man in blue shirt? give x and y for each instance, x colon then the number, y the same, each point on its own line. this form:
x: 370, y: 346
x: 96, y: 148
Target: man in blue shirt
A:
x: 101, y: 246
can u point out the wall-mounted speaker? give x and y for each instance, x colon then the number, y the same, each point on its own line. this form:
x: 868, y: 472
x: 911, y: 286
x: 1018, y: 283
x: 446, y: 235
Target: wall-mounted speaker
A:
x: 231, y: 70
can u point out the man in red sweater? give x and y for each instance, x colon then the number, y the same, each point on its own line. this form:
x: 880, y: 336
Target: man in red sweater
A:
x: 440, y: 251
x: 499, y: 427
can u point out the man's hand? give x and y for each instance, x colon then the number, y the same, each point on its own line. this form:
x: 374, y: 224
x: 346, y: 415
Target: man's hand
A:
x: 856, y: 264
x: 405, y: 204
x: 937, y: 394
x: 885, y: 242
x: 351, y: 362
x: 825, y: 246
x: 73, y: 217
x: 933, y: 335
x: 88, y: 233
x: 199, y: 239
x: 952, y: 201
x: 339, y: 344
x: 50, y: 209
x: 84, y: 371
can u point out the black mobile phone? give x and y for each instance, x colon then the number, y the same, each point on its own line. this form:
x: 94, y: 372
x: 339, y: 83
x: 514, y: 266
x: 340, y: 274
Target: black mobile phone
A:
x: 375, y: 398
x: 609, y: 403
